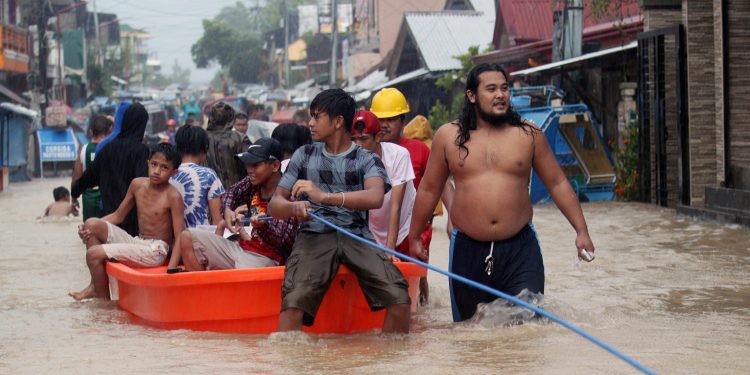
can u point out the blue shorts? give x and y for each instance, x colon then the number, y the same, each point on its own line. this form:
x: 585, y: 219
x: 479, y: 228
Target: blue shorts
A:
x: 516, y: 265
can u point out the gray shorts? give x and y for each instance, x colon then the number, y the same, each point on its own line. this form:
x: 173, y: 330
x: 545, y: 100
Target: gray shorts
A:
x: 315, y: 261
x: 218, y: 253
x: 134, y: 251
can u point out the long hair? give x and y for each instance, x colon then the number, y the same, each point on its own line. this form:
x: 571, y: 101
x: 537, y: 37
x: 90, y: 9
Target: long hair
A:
x: 467, y: 119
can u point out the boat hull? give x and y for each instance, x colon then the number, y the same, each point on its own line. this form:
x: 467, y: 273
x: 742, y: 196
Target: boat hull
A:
x: 241, y: 301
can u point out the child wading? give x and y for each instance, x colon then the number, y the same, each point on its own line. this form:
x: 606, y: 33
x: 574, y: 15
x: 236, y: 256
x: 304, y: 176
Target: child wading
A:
x: 339, y: 181
x: 61, y: 206
x: 160, y: 219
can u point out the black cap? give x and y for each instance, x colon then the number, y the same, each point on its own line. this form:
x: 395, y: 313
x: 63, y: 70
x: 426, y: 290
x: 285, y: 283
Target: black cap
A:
x: 264, y: 149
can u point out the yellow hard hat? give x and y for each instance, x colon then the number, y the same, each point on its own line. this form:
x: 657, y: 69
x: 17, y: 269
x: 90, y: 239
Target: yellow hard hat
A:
x: 389, y: 102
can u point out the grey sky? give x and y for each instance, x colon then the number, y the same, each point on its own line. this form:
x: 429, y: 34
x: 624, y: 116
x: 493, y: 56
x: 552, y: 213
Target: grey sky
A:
x: 174, y: 26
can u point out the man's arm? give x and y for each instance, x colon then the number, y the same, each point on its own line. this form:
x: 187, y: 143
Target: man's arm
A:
x: 545, y: 165
x: 367, y: 199
x: 394, y: 220
x: 77, y: 168
x: 214, y: 209
x: 281, y: 208
x: 430, y: 188
x: 89, y: 178
x: 177, y: 209
x: 125, y: 206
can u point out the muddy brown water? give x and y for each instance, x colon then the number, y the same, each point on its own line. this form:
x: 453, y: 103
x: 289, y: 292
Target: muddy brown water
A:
x: 671, y: 292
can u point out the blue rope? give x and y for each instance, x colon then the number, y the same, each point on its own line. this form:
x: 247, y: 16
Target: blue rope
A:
x: 497, y: 293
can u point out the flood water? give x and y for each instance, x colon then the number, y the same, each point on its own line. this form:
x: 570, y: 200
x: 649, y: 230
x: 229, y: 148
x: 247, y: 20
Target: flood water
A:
x: 671, y: 292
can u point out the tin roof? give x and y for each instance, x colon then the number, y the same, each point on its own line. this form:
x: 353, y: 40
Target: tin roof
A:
x: 440, y: 36
x: 531, y: 20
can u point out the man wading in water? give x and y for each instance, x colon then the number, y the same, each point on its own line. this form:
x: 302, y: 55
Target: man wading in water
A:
x: 490, y: 151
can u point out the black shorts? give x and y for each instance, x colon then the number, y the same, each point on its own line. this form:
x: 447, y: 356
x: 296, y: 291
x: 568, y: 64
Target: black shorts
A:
x: 315, y: 260
x: 517, y: 265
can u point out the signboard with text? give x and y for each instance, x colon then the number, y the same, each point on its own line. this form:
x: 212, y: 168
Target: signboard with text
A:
x: 57, y: 145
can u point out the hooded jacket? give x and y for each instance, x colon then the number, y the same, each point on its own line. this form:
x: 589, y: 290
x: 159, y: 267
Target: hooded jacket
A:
x: 419, y: 128
x: 117, y: 164
x: 116, y: 129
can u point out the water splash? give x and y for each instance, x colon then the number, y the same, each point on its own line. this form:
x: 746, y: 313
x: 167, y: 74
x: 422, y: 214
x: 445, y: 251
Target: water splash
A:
x: 502, y: 313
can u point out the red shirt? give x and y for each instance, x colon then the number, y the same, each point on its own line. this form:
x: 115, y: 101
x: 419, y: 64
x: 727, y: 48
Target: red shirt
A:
x: 419, y: 153
x: 256, y: 244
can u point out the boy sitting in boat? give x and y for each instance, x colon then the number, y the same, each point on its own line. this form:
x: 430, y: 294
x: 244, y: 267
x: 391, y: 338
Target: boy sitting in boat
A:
x: 160, y: 220
x: 340, y: 181
x: 268, y: 242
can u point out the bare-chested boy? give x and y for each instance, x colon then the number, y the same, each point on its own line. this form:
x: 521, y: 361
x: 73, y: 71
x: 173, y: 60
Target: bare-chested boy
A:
x: 160, y: 219
x: 490, y: 152
x: 61, y: 206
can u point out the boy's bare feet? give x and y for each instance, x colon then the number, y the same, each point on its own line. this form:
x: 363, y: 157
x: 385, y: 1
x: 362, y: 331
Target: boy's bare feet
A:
x: 87, y: 292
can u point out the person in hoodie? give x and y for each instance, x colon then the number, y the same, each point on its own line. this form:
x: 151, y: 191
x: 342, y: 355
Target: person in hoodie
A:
x: 116, y: 129
x: 116, y: 165
x: 223, y: 144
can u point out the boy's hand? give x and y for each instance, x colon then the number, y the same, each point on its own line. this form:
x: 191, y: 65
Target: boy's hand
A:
x: 84, y: 233
x: 241, y: 209
x: 233, y: 220
x: 230, y: 220
x: 309, y: 188
x: 416, y: 250
x: 299, y: 210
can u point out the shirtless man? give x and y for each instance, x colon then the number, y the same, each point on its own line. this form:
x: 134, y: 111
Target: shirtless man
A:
x: 490, y: 152
x: 160, y: 220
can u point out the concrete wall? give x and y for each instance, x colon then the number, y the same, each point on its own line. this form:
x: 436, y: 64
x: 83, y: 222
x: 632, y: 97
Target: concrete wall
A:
x: 698, y: 18
x: 739, y: 82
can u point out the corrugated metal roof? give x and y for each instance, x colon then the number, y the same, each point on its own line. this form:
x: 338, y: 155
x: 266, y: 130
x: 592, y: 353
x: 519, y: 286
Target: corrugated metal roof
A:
x: 440, y: 36
x: 531, y: 20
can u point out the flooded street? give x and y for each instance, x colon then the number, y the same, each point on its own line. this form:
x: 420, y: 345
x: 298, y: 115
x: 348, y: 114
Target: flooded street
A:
x: 671, y: 292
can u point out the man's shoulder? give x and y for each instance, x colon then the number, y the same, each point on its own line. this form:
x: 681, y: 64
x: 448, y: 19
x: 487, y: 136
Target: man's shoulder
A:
x: 447, y: 129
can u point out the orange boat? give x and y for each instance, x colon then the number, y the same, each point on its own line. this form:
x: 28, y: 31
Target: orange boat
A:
x: 243, y: 301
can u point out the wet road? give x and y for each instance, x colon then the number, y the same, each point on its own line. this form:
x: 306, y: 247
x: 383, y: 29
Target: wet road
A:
x: 671, y: 292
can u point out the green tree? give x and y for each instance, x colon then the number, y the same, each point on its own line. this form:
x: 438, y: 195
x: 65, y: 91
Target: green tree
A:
x: 453, y: 83
x: 233, y: 39
x: 99, y: 77
x: 240, y: 52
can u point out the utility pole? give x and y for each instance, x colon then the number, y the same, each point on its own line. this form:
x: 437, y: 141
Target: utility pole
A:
x: 98, y: 40
x: 41, y: 27
x: 334, y: 41
x: 286, y: 44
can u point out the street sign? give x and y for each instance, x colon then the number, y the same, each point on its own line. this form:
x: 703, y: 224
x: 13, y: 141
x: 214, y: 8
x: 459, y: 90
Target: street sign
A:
x: 57, y: 145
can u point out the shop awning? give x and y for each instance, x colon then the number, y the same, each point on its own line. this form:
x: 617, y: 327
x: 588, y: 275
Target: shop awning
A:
x: 13, y: 96
x: 574, y: 60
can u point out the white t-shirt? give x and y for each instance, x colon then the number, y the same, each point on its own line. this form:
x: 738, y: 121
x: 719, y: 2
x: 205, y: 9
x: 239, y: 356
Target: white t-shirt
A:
x: 398, y: 167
